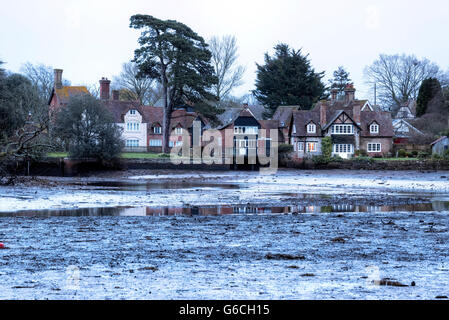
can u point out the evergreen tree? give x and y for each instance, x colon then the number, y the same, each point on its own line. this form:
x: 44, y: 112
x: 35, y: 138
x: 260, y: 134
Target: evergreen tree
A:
x: 179, y: 59
x: 89, y: 128
x: 429, y: 89
x: 340, y: 80
x: 287, y: 78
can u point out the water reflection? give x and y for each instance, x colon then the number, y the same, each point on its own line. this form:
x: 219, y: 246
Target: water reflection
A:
x: 228, y: 210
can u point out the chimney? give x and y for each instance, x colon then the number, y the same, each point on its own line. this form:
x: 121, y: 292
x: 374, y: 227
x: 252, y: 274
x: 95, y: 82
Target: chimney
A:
x: 334, y: 94
x: 323, y: 119
x: 104, y: 88
x: 58, y: 78
x: 115, y: 95
x: 357, y: 113
x: 349, y: 93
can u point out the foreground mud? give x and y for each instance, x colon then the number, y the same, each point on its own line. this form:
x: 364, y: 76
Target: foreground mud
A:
x: 333, y: 256
x: 122, y: 247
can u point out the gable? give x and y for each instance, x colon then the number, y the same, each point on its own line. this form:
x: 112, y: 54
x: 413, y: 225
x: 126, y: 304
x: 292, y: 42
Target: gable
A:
x: 366, y: 106
x: 247, y: 122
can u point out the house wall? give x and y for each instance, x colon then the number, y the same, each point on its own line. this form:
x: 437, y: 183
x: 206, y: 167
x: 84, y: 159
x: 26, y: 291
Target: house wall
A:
x: 304, y: 154
x: 440, y: 147
x: 386, y: 145
x: 140, y: 135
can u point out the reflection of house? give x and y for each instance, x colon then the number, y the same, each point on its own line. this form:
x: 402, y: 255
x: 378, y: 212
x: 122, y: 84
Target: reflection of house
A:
x: 352, y: 125
x: 440, y: 146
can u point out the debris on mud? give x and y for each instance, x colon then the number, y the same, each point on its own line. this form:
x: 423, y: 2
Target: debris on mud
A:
x: 278, y: 256
x: 339, y: 240
x: 389, y: 282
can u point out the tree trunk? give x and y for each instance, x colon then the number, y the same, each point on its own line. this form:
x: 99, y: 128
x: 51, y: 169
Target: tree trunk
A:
x: 167, y: 112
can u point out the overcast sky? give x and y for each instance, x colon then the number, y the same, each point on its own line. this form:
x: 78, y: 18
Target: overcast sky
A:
x: 90, y: 39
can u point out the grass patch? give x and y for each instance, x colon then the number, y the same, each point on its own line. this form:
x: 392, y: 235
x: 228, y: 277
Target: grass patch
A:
x: 57, y: 155
x: 395, y: 159
x: 131, y: 155
x: 127, y: 155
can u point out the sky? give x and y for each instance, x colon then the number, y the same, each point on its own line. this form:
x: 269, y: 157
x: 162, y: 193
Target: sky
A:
x: 91, y: 39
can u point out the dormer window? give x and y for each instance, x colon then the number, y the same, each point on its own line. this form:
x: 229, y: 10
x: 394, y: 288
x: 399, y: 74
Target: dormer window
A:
x: 133, y: 112
x: 311, y: 128
x: 374, y: 128
x: 157, y: 130
x: 178, y: 130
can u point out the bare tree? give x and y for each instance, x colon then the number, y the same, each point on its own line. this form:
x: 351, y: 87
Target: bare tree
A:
x: 41, y: 76
x: 398, y: 77
x: 134, y: 87
x: 224, y: 60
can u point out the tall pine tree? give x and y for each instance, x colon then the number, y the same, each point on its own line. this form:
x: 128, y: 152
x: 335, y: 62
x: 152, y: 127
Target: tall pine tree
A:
x: 340, y: 80
x: 430, y: 87
x: 179, y: 59
x: 287, y: 78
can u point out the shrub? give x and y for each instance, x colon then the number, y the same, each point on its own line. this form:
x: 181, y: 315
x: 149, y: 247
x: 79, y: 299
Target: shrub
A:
x: 326, y: 147
x: 436, y: 156
x: 423, y: 155
x: 402, y: 153
x: 409, y: 154
x: 285, y: 149
x: 361, y: 153
x: 321, y: 159
x: 363, y: 159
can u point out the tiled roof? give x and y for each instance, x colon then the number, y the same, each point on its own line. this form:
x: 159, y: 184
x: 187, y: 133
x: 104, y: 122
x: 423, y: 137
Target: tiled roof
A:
x: 120, y: 108
x: 384, y: 120
x: 66, y: 92
x: 284, y: 114
x: 302, y: 118
x: 438, y: 140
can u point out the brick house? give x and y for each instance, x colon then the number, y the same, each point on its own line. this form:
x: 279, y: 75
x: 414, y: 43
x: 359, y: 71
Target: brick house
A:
x: 245, y: 125
x: 61, y: 94
x: 128, y: 115
x: 352, y: 125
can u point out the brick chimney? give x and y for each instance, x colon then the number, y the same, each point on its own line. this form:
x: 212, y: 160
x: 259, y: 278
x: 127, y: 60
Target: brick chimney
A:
x: 349, y: 93
x: 334, y: 94
x: 105, y: 85
x: 58, y: 78
x: 357, y: 113
x: 323, y: 119
x: 115, y: 95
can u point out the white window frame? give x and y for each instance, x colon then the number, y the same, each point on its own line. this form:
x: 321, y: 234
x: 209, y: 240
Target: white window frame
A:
x: 374, y: 147
x: 246, y: 130
x: 344, y: 129
x: 132, y: 143
x: 311, y: 128
x: 343, y: 149
x: 178, y: 130
x: 374, y: 128
x: 300, y: 146
x: 157, y: 130
x: 133, y: 111
x: 133, y: 126
x: 156, y: 143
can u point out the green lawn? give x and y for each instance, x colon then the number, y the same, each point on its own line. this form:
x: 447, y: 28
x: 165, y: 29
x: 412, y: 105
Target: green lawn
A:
x: 57, y: 154
x: 395, y: 159
x: 129, y: 155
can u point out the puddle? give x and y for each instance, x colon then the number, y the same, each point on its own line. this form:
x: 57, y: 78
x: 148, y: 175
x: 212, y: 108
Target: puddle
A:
x: 132, y: 186
x: 229, y: 210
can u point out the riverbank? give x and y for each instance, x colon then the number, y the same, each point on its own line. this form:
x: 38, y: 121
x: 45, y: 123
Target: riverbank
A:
x: 143, y: 188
